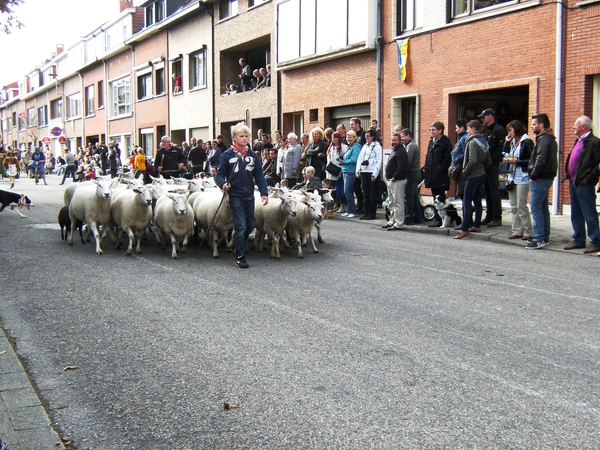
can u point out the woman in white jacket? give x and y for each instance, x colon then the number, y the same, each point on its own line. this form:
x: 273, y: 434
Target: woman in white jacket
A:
x: 368, y: 168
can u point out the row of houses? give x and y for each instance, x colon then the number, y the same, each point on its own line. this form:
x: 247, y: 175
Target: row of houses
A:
x: 399, y: 61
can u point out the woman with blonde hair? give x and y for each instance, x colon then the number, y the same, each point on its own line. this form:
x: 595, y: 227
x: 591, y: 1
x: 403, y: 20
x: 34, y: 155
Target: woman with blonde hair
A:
x: 316, y: 151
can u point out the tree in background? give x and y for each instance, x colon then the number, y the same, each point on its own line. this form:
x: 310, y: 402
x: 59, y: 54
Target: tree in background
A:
x: 7, y: 19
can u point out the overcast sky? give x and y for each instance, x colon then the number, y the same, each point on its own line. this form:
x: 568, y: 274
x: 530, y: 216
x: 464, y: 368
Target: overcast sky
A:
x: 47, y: 23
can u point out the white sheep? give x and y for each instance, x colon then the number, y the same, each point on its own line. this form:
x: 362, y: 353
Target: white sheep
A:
x: 69, y: 191
x: 173, y: 217
x: 131, y: 211
x: 207, y: 211
x: 299, y: 227
x: 272, y: 219
x: 91, y: 204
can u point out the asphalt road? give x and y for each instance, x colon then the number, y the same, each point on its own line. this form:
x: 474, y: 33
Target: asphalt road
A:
x: 381, y: 340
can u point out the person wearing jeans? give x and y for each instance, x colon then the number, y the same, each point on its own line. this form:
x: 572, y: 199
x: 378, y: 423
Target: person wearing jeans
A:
x: 239, y: 169
x: 542, y: 168
x: 368, y: 167
x: 348, y: 172
x: 582, y: 171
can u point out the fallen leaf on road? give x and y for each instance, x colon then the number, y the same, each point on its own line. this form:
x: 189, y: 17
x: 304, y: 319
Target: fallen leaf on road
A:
x: 75, y: 350
x: 230, y: 405
x: 71, y: 368
x: 2, y: 352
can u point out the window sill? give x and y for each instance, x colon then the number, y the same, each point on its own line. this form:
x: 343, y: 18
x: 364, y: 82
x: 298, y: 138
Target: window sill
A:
x: 121, y: 116
x: 225, y: 19
x: 162, y: 94
x: 198, y: 88
x: 586, y: 2
x: 90, y: 116
x: 140, y: 100
x: 264, y: 3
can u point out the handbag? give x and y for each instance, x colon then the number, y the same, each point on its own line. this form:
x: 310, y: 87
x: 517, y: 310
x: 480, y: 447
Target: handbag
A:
x: 455, y: 170
x: 333, y: 169
x: 509, y: 185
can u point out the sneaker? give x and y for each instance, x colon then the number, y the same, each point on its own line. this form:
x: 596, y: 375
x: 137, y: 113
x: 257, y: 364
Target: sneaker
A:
x: 387, y: 225
x: 396, y: 228
x: 345, y: 214
x: 240, y: 261
x: 350, y: 216
x: 535, y: 245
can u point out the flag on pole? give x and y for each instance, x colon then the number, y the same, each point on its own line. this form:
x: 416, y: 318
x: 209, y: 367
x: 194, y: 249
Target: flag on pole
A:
x: 402, y: 58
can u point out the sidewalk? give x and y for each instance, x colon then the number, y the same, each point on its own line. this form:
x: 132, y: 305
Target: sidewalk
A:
x: 24, y: 423
x: 560, y: 234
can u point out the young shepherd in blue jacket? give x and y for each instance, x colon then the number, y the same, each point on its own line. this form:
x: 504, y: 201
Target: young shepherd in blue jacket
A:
x: 239, y: 169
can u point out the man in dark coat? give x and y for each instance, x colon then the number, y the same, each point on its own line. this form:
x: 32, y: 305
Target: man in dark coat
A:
x: 437, y: 161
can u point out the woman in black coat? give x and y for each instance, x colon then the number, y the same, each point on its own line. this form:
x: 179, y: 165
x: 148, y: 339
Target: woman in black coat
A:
x: 318, y: 146
x: 437, y: 161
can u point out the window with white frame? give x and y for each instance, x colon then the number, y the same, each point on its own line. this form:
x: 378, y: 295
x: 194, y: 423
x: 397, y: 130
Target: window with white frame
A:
x: 465, y: 7
x: 409, y: 15
x: 144, y: 86
x: 227, y: 8
x: 147, y: 140
x: 159, y: 11
x: 31, y: 117
x: 14, y: 119
x: 149, y: 14
x: 120, y: 97
x: 198, y: 69
x: 305, y: 28
x: 90, y: 101
x: 42, y: 115
x: 160, y: 81
x: 22, y: 122
x: 74, y: 105
x: 5, y: 124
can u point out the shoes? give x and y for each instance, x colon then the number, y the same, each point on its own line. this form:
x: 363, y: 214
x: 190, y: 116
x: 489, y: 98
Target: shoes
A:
x: 462, y: 234
x: 345, y: 214
x: 573, y: 246
x: 11, y: 186
x: 387, y: 225
x: 526, y: 238
x: 37, y: 181
x: 342, y: 210
x: 363, y: 217
x: 435, y: 224
x: 475, y: 230
x: 458, y: 228
x: 486, y: 221
x: 591, y: 249
x: 514, y: 236
x: 45, y: 184
x: 350, y: 216
x: 240, y: 261
x: 536, y: 245
x: 62, y: 183
x: 373, y: 218
x: 494, y: 223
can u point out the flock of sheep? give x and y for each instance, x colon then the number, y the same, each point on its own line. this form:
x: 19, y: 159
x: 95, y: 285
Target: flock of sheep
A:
x: 181, y: 208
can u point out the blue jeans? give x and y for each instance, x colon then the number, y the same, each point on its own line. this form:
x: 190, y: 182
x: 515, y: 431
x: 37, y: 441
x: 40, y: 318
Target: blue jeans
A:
x: 242, y: 210
x: 540, y: 213
x: 413, y: 211
x: 472, y: 195
x: 69, y: 170
x: 369, y: 190
x: 583, y: 211
x: 349, y: 179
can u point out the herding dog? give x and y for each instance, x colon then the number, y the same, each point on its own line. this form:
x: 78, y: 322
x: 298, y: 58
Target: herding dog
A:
x: 447, y: 212
x: 14, y: 200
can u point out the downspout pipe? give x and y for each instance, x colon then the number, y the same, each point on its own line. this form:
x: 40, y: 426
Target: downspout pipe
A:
x: 558, y: 100
x: 379, y: 49
x: 82, y: 109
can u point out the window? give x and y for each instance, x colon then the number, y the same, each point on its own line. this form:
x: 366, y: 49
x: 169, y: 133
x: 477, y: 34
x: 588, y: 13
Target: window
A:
x: 227, y: 8
x: 120, y: 97
x: 147, y: 140
x: 252, y: 3
x: 198, y: 69
x: 313, y: 115
x: 74, y: 106
x: 43, y: 116
x: 160, y: 81
x: 144, y: 86
x: 159, y: 10
x: 305, y: 28
x: 89, y: 100
x: 100, y: 94
x: 465, y: 7
x: 22, y: 122
x: 5, y: 124
x: 31, y: 117
x: 56, y: 108
x: 14, y: 119
x: 410, y: 15
x: 149, y: 15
